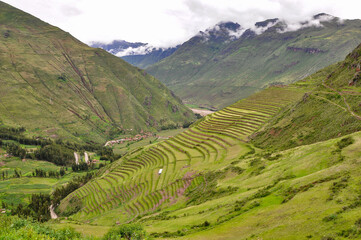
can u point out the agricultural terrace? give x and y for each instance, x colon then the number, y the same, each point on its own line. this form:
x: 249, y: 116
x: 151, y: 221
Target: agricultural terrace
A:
x: 158, y: 176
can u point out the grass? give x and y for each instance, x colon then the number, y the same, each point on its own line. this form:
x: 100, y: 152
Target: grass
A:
x: 321, y: 115
x: 84, y: 229
x: 217, y: 184
x: 18, y: 190
x: 268, y: 167
x: 133, y: 186
x: 26, y: 167
x: 272, y: 217
x: 68, y: 90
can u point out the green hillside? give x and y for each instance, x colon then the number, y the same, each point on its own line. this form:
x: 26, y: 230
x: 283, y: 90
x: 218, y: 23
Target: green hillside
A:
x: 133, y: 185
x: 234, y: 175
x: 55, y: 86
x: 331, y: 108
x: 215, y: 71
x: 281, y: 163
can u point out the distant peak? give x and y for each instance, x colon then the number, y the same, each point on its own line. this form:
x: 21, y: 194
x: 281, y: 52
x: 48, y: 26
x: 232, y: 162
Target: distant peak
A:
x: 322, y: 16
x: 229, y: 25
x: 266, y: 22
x: 222, y: 31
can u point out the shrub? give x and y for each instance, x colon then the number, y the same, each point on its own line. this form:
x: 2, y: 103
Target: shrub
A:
x: 344, y: 142
x: 187, y: 124
x: 235, y: 169
x: 358, y: 223
x: 126, y: 231
x: 330, y: 218
x: 206, y: 223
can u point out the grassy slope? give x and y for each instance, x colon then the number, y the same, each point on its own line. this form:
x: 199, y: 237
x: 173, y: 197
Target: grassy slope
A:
x: 131, y: 188
x: 54, y: 85
x: 216, y: 74
x: 309, y: 191
x: 323, y: 113
x: 313, y: 166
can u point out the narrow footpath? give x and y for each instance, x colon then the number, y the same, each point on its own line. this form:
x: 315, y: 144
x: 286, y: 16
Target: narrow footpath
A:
x: 344, y: 99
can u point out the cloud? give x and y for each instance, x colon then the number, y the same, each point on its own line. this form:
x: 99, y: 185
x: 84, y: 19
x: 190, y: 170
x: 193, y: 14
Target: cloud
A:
x: 70, y: 11
x: 311, y: 22
x: 167, y: 23
x: 134, y: 51
x: 237, y: 33
x: 261, y: 29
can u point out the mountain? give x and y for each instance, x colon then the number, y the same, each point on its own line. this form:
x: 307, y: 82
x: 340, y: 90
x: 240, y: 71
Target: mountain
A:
x: 153, y: 56
x: 138, y: 54
x: 227, y: 62
x: 331, y: 109
x: 56, y: 86
x: 280, y: 164
x: 119, y: 46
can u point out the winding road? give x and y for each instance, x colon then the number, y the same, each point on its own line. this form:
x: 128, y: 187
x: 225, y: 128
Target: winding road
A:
x: 86, y: 157
x: 76, y: 158
x: 53, y: 215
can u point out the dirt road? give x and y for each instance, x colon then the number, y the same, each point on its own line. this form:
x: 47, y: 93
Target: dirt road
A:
x: 52, y: 213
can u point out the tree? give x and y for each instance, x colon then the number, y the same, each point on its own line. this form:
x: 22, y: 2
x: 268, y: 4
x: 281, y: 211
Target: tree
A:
x: 38, y: 208
x: 57, y: 154
x: 15, y: 150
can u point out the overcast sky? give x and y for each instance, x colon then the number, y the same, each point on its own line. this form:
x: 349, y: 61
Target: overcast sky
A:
x: 170, y: 22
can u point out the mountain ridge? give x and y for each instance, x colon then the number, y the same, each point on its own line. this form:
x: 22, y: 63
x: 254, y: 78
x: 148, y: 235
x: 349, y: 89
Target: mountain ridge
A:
x: 56, y: 86
x: 138, y: 54
x: 215, y: 73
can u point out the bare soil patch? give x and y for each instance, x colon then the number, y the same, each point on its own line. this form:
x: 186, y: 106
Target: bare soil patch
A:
x: 202, y: 112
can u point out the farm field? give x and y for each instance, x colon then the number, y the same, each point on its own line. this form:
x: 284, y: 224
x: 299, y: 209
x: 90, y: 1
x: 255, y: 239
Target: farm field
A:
x: 18, y: 190
x: 158, y: 177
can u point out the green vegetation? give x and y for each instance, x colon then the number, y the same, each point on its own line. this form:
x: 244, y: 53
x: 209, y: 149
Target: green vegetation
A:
x: 219, y: 71
x: 56, y: 154
x: 20, y: 229
x: 38, y: 208
x: 215, y: 183
x: 189, y: 164
x: 330, y: 108
x: 23, y: 177
x: 25, y: 229
x: 283, y: 163
x: 66, y: 89
x: 126, y: 231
